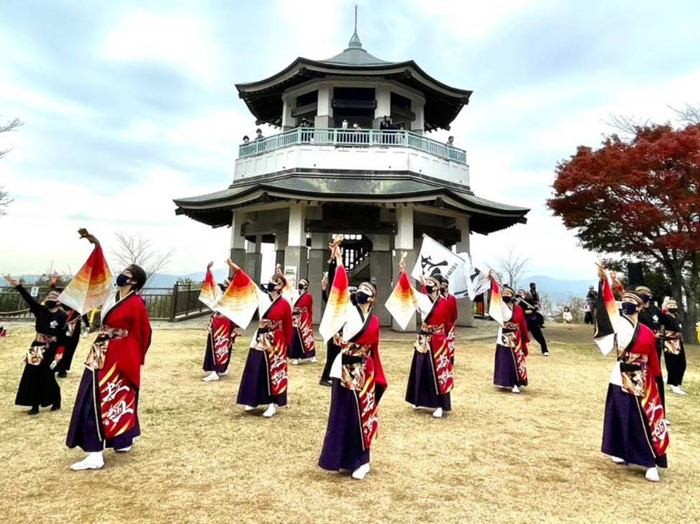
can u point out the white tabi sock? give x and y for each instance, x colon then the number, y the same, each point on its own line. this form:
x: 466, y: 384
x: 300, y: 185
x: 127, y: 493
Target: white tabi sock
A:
x: 314, y: 359
x: 270, y: 411
x: 94, y: 460
x: 295, y: 361
x: 652, y: 475
x: 515, y: 389
x: 618, y: 460
x: 361, y: 472
x: 123, y: 450
x: 249, y: 408
x: 437, y: 413
x: 211, y: 376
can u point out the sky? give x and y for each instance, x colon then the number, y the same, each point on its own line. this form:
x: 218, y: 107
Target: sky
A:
x: 127, y: 105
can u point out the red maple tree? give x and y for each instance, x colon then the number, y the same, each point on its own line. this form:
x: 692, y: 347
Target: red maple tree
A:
x: 639, y: 198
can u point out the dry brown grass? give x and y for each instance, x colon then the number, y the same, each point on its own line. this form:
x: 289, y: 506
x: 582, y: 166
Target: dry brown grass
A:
x: 496, y: 458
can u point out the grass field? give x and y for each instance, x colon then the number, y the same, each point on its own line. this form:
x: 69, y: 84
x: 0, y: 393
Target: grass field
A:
x: 497, y: 457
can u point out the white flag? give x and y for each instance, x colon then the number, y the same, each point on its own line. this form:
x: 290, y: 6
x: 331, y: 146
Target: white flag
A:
x: 478, y: 281
x: 435, y: 259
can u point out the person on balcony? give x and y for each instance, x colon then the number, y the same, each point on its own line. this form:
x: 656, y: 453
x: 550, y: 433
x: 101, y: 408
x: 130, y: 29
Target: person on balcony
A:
x: 258, y: 134
x: 303, y: 347
x: 38, y: 386
x: 450, y: 141
x: 246, y: 140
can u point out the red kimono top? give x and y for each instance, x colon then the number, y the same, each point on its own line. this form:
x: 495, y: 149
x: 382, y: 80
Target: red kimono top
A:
x: 127, y: 352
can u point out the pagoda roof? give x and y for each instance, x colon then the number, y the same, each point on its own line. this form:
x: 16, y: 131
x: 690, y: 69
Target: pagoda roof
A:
x: 486, y: 216
x: 264, y: 97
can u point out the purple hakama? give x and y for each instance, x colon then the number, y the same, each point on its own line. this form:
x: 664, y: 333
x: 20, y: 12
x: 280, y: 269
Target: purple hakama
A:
x: 505, y: 373
x: 422, y: 389
x: 625, y: 430
x: 255, y: 388
x: 85, y: 429
x: 342, y: 446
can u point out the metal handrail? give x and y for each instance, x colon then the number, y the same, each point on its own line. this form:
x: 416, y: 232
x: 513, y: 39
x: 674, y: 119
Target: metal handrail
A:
x: 353, y: 138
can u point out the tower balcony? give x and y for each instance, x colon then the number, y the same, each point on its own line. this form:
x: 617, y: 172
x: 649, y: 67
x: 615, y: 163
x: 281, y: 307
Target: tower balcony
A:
x: 371, y: 150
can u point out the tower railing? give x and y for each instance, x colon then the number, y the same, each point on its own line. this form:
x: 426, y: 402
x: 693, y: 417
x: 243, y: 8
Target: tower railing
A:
x: 353, y: 138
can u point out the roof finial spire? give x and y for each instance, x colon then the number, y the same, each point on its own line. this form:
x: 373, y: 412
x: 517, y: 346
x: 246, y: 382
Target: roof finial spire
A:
x: 355, y: 42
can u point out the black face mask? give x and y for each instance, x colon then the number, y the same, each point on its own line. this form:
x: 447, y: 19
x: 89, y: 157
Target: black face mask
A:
x: 628, y: 308
x: 361, y: 297
x: 123, y: 280
x: 301, y: 287
x: 645, y: 298
x: 430, y: 289
x: 507, y: 300
x: 51, y: 304
x: 673, y: 311
x: 270, y: 287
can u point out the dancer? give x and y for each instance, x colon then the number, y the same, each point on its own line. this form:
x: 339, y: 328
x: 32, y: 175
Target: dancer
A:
x: 430, y: 380
x: 674, y: 348
x: 38, y: 386
x: 510, y: 369
x: 221, y: 331
x: 635, y: 429
x: 105, y: 414
x: 357, y: 374
x: 264, y: 379
x: 533, y: 319
x: 303, y: 346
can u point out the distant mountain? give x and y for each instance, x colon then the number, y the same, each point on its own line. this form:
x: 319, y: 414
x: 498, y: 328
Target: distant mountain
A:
x: 559, y: 290
x: 162, y: 280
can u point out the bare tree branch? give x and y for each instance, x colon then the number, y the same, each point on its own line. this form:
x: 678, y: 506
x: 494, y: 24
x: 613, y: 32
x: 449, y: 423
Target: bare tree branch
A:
x: 689, y: 115
x: 626, y: 125
x: 5, y: 201
x: 513, y: 267
x: 6, y: 128
x: 134, y: 249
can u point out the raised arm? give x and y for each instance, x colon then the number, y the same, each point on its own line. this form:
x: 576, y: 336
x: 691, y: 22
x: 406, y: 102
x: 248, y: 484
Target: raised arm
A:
x: 34, y: 306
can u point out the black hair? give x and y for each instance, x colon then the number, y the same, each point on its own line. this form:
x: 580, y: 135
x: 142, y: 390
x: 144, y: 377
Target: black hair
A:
x: 138, y: 275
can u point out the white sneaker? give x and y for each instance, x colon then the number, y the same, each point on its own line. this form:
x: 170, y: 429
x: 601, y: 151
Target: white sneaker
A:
x: 677, y: 390
x: 618, y: 460
x: 437, y: 413
x: 652, y: 475
x: 123, y: 450
x: 212, y: 376
x: 314, y: 360
x: 515, y: 389
x: 361, y: 472
x: 546, y: 353
x: 94, y: 460
x: 295, y: 361
x: 249, y: 408
x: 270, y: 411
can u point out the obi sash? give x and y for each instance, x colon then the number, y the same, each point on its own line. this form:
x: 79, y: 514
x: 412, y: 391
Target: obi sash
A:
x: 635, y: 381
x: 672, y: 342
x: 223, y: 334
x: 98, y: 350
x: 358, y: 376
x: 270, y: 340
x: 300, y: 320
x: 35, y: 354
x: 432, y: 337
x: 513, y: 341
